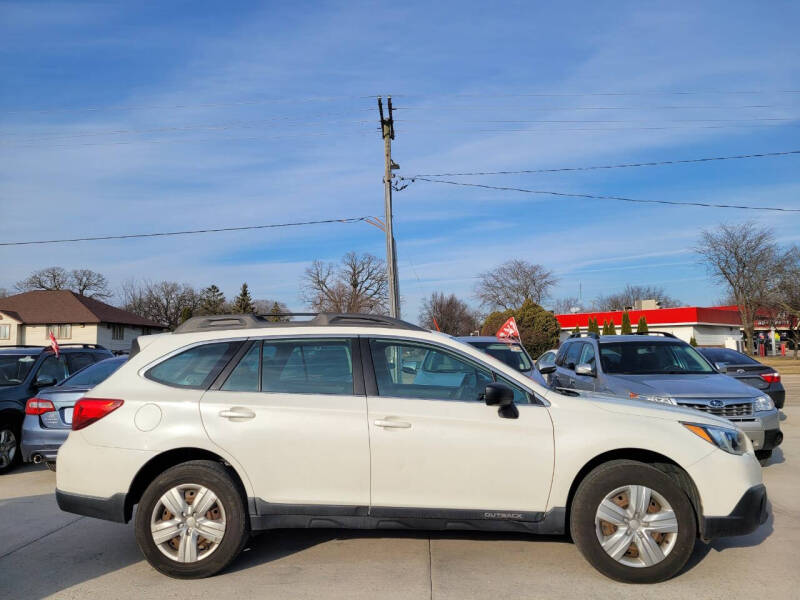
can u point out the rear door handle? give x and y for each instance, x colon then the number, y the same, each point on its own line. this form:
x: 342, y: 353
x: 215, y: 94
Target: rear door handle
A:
x: 392, y: 424
x: 237, y: 414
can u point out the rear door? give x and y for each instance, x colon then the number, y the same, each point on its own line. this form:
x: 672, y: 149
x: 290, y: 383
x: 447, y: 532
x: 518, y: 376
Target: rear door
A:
x: 436, y: 444
x: 292, y: 411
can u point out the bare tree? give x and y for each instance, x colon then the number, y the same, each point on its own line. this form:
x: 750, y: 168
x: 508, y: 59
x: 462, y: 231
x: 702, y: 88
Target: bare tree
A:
x: 631, y: 293
x: 51, y: 278
x: 744, y: 257
x: 89, y: 283
x: 165, y: 302
x: 563, y: 306
x: 452, y: 315
x: 785, y: 295
x: 512, y: 283
x: 357, y: 284
x: 3, y: 293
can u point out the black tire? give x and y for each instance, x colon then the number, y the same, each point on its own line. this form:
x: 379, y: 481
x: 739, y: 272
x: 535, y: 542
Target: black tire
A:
x: 605, y: 479
x: 10, y: 429
x: 763, y: 454
x: 213, y: 476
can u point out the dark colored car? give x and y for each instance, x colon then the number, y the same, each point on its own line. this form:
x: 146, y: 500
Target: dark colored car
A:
x: 24, y: 370
x: 511, y: 353
x: 48, y: 415
x: 749, y: 371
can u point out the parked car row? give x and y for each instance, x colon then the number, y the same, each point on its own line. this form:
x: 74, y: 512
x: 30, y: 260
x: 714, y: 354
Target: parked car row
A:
x: 35, y: 408
x: 234, y: 424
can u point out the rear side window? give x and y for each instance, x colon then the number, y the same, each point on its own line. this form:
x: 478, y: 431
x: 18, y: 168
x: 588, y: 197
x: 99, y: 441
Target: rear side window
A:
x: 78, y: 360
x: 194, y: 368
x: 307, y: 367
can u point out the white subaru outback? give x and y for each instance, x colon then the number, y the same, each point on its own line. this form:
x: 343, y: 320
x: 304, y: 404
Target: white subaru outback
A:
x: 234, y: 424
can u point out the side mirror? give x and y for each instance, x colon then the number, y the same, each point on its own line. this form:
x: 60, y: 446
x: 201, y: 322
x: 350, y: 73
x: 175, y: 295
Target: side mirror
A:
x: 44, y: 381
x: 721, y: 367
x: 410, y: 368
x: 586, y: 369
x: 498, y: 394
x: 547, y: 370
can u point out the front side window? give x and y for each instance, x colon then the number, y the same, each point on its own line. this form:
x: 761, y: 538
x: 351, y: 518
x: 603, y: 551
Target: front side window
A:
x: 573, y: 355
x: 53, y: 367
x: 511, y: 354
x: 307, y: 367
x: 587, y: 355
x: 647, y: 358
x: 194, y: 368
x: 409, y: 370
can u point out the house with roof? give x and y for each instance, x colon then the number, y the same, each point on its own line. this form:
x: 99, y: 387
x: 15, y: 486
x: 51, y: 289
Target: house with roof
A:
x: 30, y: 317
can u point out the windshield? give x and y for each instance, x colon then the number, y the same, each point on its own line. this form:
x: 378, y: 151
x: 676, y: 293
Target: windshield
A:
x: 15, y: 367
x: 641, y: 358
x: 513, y: 355
x: 94, y: 374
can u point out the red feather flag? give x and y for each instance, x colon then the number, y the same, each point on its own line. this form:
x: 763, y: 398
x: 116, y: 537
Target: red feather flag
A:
x: 53, y: 343
x: 508, y: 330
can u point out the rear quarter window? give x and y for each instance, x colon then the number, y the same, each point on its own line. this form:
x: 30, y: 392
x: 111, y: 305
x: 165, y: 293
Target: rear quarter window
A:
x: 195, y: 368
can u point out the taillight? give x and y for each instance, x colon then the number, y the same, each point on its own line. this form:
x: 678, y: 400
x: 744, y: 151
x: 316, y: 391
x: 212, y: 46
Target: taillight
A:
x: 771, y: 377
x: 89, y: 410
x: 38, y: 406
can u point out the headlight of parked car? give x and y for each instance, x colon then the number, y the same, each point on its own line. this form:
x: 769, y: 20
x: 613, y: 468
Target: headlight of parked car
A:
x: 730, y: 440
x: 661, y: 399
x: 762, y: 403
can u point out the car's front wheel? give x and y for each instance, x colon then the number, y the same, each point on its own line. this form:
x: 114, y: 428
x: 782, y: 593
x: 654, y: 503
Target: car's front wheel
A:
x: 10, y: 454
x: 191, y: 520
x: 633, y: 522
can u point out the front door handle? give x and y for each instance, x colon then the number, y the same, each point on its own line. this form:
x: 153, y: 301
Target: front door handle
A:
x: 237, y: 413
x: 392, y: 424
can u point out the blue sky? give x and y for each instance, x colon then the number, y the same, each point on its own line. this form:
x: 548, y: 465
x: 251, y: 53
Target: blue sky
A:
x: 154, y: 116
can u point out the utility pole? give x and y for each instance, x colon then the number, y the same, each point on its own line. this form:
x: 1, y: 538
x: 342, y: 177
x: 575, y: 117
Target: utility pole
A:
x: 387, y: 131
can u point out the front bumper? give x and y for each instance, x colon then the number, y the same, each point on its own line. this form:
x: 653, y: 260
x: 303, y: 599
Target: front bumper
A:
x: 778, y: 395
x: 39, y: 440
x: 759, y: 429
x: 746, y: 516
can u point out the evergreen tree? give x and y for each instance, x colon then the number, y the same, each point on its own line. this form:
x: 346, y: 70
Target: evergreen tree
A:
x: 212, y: 301
x: 243, y: 303
x: 577, y: 329
x: 594, y: 326
x: 274, y: 310
x: 605, y: 327
x: 626, y: 328
x: 538, y: 327
x: 642, y: 326
x: 693, y: 341
x: 612, y: 330
x: 186, y: 313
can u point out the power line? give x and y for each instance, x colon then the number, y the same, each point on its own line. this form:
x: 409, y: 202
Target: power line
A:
x: 187, y: 232
x: 528, y: 107
x: 617, y: 166
x: 599, y: 197
x: 592, y: 94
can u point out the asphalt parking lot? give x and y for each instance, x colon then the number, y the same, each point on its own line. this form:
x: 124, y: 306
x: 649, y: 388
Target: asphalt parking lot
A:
x: 45, y: 553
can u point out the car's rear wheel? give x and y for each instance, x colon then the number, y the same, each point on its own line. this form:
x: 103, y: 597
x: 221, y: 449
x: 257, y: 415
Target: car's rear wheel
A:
x: 10, y: 454
x: 633, y: 522
x: 191, y: 520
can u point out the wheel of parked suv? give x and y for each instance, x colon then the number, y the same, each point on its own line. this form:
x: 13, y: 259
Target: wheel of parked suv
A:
x: 633, y: 522
x: 10, y: 454
x: 763, y: 454
x: 191, y: 520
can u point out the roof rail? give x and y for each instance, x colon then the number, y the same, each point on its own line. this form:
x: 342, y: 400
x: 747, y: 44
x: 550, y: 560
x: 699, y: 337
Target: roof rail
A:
x: 253, y: 321
x: 40, y: 346
x: 590, y: 334
x: 73, y: 344
x: 664, y: 333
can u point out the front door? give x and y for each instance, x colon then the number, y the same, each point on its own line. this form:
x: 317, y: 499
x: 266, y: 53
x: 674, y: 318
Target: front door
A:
x: 435, y: 444
x: 288, y: 412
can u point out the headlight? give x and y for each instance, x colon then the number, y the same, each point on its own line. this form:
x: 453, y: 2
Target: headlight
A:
x: 762, y: 403
x: 730, y: 440
x: 661, y: 399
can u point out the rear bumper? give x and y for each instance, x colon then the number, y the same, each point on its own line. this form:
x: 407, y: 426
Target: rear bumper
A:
x: 747, y: 515
x: 39, y: 440
x: 109, y: 509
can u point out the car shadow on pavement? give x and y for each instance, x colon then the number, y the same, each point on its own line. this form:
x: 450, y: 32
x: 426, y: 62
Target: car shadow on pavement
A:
x: 776, y: 458
x: 701, y: 549
x: 275, y: 544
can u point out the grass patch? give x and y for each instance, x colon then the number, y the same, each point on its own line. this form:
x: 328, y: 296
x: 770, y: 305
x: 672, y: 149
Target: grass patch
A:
x: 788, y: 365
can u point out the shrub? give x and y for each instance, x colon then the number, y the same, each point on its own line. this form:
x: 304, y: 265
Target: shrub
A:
x: 538, y: 327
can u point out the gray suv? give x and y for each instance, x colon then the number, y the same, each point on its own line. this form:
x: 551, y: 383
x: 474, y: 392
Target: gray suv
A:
x: 659, y: 367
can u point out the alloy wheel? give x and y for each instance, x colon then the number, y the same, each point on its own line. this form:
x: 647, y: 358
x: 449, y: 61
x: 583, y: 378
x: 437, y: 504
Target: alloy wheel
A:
x: 188, y: 523
x: 8, y: 447
x: 636, y: 526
